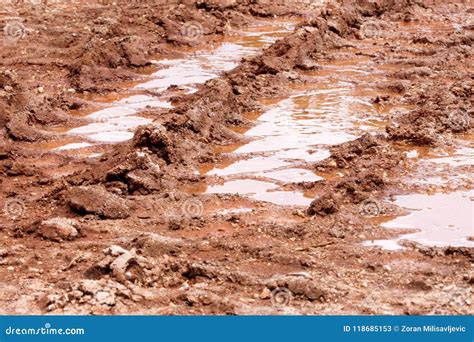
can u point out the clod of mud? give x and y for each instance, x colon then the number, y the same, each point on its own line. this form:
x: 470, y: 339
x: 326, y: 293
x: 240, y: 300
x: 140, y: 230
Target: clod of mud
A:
x: 324, y: 205
x: 209, y: 271
x: 97, y: 200
x: 442, y: 109
x: 123, y: 266
x: 156, y: 138
x: 156, y: 245
x: 300, y: 285
x: 140, y: 171
x: 127, y: 265
x: 58, y: 229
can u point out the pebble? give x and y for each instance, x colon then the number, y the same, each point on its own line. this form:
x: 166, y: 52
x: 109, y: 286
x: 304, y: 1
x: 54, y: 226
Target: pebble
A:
x: 265, y: 294
x: 299, y: 213
x: 105, y: 298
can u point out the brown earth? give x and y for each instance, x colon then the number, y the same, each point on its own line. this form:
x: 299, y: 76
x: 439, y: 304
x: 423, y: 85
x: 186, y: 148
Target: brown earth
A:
x: 126, y: 232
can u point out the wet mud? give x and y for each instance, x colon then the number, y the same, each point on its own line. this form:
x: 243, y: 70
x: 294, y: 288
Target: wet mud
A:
x: 237, y: 159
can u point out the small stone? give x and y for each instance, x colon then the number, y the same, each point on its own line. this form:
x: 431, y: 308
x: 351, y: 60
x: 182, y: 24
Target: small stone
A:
x: 89, y: 286
x: 119, y: 266
x: 185, y: 287
x: 238, y: 90
x: 105, y: 298
x: 8, y: 88
x: 115, y: 251
x: 299, y: 213
x: 265, y: 294
x: 300, y: 274
x: 40, y: 90
x: 291, y: 75
x: 10, y: 268
x: 315, y: 293
x: 307, y: 64
x: 58, y: 229
x: 71, y: 90
x: 205, y: 299
x: 387, y: 268
x: 76, y: 294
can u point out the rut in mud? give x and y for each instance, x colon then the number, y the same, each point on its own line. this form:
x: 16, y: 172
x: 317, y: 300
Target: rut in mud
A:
x: 118, y: 119
x: 273, y: 164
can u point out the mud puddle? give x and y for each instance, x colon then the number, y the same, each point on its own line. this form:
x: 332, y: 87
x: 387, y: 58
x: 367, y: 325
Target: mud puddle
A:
x: 117, y: 119
x: 201, y: 66
x: 442, y: 209
x: 333, y: 107
x: 442, y: 219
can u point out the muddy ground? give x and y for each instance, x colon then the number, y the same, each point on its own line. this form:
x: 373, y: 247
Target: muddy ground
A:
x: 129, y: 232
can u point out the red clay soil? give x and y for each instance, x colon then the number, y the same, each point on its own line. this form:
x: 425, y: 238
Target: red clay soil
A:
x: 123, y: 234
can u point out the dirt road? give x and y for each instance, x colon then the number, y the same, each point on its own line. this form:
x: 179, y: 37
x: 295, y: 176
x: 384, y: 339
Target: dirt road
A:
x: 237, y: 159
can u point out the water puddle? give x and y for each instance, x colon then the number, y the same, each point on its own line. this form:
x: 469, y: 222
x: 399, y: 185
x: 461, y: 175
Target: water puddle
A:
x: 459, y: 153
x: 460, y: 156
x: 444, y: 215
x: 116, y: 120
x: 297, y: 131
x: 205, y: 65
x: 441, y: 219
x: 290, y: 134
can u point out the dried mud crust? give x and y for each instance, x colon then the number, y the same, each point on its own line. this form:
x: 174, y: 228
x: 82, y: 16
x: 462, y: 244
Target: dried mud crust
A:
x: 122, y: 234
